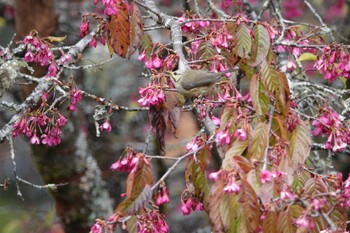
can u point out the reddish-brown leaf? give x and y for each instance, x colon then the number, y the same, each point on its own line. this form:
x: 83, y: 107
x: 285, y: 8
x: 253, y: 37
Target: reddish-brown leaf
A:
x: 300, y: 144
x: 136, y: 29
x: 242, y: 165
x: 270, y: 222
x: 248, y: 209
x: 138, y: 189
x: 284, y: 222
x: 214, y: 203
x: 158, y: 116
x: 118, y: 31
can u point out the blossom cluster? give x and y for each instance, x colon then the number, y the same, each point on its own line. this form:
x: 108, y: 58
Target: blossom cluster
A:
x: 328, y: 124
x: 192, y: 26
x: 38, y: 51
x: 152, y: 221
x: 190, y: 203
x: 127, y: 162
x: 163, y: 195
x: 151, y: 95
x: 41, y: 126
x: 109, y: 5
x: 333, y: 63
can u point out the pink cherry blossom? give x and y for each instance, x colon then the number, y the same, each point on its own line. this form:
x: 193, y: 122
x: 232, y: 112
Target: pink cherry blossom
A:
x: 151, y: 95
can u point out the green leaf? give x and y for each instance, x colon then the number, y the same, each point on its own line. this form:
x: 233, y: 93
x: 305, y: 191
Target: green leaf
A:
x: 269, y: 77
x: 261, y: 44
x: 206, y: 50
x: 277, y: 85
x: 259, y: 142
x: 307, y: 57
x: 243, y: 41
x: 258, y: 95
x: 196, y: 173
x: 237, y: 148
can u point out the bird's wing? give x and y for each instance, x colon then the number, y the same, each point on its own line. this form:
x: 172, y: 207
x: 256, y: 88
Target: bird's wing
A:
x: 204, y: 78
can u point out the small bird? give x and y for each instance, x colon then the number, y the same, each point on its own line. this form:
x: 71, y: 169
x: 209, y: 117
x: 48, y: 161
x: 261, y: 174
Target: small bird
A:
x: 194, y: 83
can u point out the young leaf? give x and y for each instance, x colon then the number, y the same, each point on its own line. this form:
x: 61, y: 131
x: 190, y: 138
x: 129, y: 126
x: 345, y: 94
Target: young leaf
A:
x: 261, y: 44
x: 133, y: 204
x: 138, y: 188
x: 243, y: 41
x: 259, y: 142
x: 277, y: 85
x: 284, y: 222
x: 214, y: 211
x: 237, y: 148
x: 247, y: 216
x: 300, y: 144
x: 269, y: 77
x: 307, y: 57
x: 196, y: 172
x: 270, y: 221
x: 136, y: 30
x: 158, y: 116
x: 258, y: 95
x: 118, y: 31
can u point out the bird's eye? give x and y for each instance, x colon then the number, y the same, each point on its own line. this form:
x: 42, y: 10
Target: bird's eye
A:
x: 175, y: 73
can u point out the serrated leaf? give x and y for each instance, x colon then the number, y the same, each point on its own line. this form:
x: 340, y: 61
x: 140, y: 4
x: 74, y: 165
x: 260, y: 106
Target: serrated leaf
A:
x: 206, y: 50
x: 269, y: 77
x: 283, y: 97
x: 158, y: 115
x: 196, y: 173
x: 136, y: 29
x: 243, y: 41
x: 242, y: 165
x: 270, y: 222
x: 258, y: 95
x: 214, y: 206
x: 307, y: 57
x: 300, y: 144
x: 260, y: 45
x: 284, y: 222
x: 248, y: 210
x: 237, y: 148
x: 259, y: 142
x: 118, y: 31
x: 299, y: 181
x: 277, y: 85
